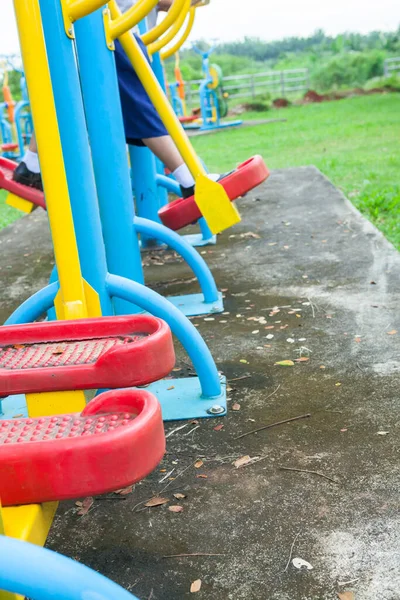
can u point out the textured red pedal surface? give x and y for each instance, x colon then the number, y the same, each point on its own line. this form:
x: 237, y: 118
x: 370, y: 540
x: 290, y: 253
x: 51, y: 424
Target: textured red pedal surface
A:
x: 23, y: 191
x: 106, y: 352
x: 117, y: 440
x: 189, y: 118
x: 248, y: 175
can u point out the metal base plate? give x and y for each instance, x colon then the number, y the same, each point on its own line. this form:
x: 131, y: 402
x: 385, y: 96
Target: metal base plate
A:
x: 193, y: 305
x: 196, y: 240
x: 181, y: 399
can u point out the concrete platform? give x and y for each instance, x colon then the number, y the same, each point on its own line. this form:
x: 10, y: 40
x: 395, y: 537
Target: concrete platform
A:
x: 334, y: 279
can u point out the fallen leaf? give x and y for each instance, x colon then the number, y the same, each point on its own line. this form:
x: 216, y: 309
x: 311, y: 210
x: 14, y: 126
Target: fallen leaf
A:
x: 18, y: 346
x: 196, y: 586
x: 125, y: 491
x: 338, y: 384
x: 299, y: 563
x: 244, y: 361
x: 58, y: 350
x: 255, y: 331
x: 382, y: 433
x: 322, y: 367
x: 156, y: 501
x: 198, y: 464
x: 357, y: 339
x: 290, y: 341
x: 171, y: 388
x: 270, y: 327
x: 393, y: 332
x: 343, y: 430
x: 236, y: 406
x: 302, y: 359
x: 175, y: 508
x: 270, y: 336
x: 179, y: 496
x: 346, y: 596
x: 85, y: 506
x: 285, y: 363
x: 243, y: 460
x: 250, y: 234
x: 202, y: 476
x: 219, y: 427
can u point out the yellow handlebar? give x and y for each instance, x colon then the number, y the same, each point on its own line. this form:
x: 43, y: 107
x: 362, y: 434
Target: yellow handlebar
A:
x: 179, y: 43
x: 77, y: 9
x: 171, y: 16
x: 160, y: 43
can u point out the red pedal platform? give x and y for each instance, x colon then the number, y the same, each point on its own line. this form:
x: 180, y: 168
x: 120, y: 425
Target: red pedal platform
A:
x: 248, y: 175
x: 9, y: 147
x: 189, y: 118
x: 106, y: 352
x: 7, y: 168
x: 117, y: 440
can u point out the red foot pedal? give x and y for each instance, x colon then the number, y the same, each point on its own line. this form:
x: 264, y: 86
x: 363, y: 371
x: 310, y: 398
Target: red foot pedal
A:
x: 117, y: 440
x: 189, y: 119
x: 23, y: 191
x: 106, y: 352
x: 248, y: 175
x: 9, y: 147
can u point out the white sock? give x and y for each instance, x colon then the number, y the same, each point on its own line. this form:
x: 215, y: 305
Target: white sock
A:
x: 183, y: 176
x: 31, y: 160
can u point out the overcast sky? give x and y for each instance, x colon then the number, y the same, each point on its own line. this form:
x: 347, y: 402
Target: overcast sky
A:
x: 267, y: 19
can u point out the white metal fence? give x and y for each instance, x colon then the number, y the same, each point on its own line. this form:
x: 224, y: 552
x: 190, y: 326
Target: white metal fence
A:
x: 253, y: 85
x: 391, y: 65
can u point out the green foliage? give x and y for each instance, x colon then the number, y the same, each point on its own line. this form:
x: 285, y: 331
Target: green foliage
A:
x: 13, y: 81
x: 349, y: 69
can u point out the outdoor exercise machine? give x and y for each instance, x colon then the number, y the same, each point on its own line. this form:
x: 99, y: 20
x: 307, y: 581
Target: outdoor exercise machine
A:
x: 213, y: 98
x: 15, y: 120
x: 64, y: 448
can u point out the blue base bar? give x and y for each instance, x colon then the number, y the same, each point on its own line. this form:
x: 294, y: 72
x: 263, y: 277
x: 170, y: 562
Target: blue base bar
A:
x: 221, y: 125
x: 197, y: 240
x: 13, y: 407
x: 193, y: 305
x: 181, y: 399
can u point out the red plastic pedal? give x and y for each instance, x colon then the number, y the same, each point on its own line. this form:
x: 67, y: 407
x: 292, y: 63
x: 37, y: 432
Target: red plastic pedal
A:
x: 248, y: 175
x: 189, y: 118
x: 9, y: 147
x: 7, y: 168
x: 106, y: 352
x: 117, y: 440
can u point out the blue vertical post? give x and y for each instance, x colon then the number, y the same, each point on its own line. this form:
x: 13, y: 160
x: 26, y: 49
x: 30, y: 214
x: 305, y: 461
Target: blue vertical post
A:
x: 109, y: 155
x: 76, y: 151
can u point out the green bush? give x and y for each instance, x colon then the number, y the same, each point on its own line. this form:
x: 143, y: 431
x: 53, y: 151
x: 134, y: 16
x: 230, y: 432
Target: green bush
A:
x: 349, y: 69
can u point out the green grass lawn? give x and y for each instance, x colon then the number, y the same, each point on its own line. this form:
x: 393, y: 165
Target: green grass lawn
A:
x: 355, y: 142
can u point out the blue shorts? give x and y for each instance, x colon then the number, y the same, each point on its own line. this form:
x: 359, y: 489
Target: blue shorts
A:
x: 141, y: 119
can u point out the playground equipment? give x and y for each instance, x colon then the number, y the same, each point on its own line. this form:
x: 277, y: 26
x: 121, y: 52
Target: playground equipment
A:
x: 16, y: 120
x: 213, y: 98
x: 47, y: 575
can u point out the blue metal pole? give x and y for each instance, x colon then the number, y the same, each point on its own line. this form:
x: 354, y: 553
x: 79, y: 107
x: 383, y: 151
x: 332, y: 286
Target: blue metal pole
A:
x: 107, y: 139
x: 39, y: 573
x: 184, y: 330
x: 188, y: 253
x: 76, y: 151
x: 145, y: 188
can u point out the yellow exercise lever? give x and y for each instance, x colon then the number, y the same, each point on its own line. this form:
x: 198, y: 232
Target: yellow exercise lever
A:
x: 211, y: 198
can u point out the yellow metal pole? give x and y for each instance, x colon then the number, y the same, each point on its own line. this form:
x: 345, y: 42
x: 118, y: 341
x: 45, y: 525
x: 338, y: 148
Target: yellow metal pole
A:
x: 43, y: 109
x: 130, y: 18
x: 211, y: 198
x: 179, y: 43
x: 176, y: 27
x: 77, y: 9
x: 161, y: 28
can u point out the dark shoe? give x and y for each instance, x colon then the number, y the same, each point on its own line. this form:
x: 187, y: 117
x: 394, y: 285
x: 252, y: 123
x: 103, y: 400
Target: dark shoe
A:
x: 24, y: 176
x: 187, y: 192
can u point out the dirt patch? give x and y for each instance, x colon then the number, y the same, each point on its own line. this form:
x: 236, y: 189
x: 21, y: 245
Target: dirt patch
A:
x: 280, y: 103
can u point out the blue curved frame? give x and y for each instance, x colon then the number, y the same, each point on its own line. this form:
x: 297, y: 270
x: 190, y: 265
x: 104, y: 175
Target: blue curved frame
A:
x: 42, y: 574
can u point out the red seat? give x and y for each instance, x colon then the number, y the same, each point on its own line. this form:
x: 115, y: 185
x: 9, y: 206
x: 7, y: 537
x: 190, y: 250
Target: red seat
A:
x: 106, y: 352
x: 117, y: 440
x: 23, y: 191
x: 248, y: 175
